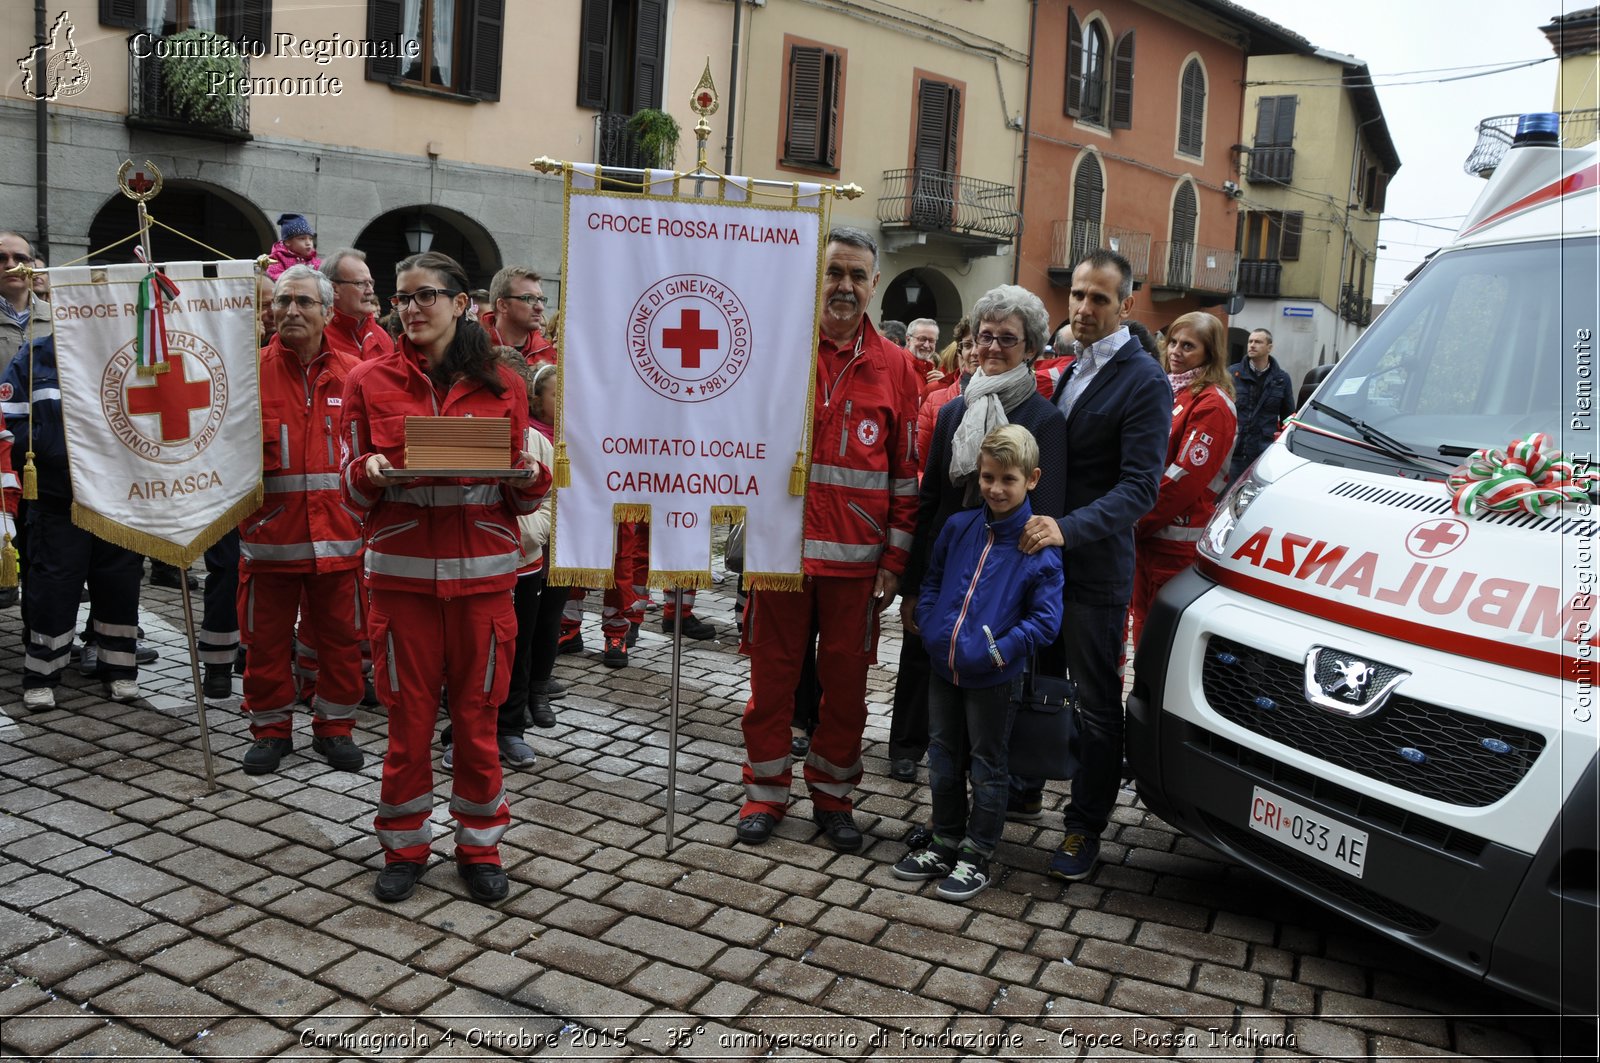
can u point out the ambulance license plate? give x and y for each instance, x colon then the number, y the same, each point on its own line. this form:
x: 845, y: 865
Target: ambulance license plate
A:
x: 1309, y: 833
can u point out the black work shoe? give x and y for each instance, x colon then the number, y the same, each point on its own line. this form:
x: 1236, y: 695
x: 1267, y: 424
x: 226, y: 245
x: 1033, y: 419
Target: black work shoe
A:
x: 693, y: 628
x: 756, y: 828
x: 369, y: 695
x: 168, y: 576
x: 397, y: 880
x: 541, y: 712
x: 340, y: 751
x: 840, y: 830
x: 902, y: 769
x: 616, y: 655
x: 486, y: 882
x: 550, y: 688
x: 218, y: 682
x: 633, y: 634
x: 571, y: 645
x: 265, y: 755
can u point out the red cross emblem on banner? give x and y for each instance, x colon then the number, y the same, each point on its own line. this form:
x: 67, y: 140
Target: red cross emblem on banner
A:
x: 173, y: 397
x: 689, y: 339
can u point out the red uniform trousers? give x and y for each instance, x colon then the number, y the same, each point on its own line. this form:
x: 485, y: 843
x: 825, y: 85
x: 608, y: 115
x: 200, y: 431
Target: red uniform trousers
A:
x: 1155, y: 562
x: 305, y: 654
x: 777, y: 626
x: 268, y: 603
x: 622, y: 603
x: 421, y: 645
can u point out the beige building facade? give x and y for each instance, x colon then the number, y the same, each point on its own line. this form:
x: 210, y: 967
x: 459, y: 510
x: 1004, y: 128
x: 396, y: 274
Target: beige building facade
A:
x: 1318, y: 159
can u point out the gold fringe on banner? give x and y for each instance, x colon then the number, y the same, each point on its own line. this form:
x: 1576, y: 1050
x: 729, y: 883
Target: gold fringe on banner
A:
x: 8, y: 565
x: 727, y: 514
x: 630, y: 512
x: 682, y: 579
x: 797, y: 474
x: 163, y: 549
x: 774, y: 581
x: 580, y: 577
x: 563, y: 469
x: 30, y: 475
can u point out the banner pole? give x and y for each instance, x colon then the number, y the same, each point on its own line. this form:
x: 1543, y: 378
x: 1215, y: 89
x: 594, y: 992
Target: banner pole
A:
x: 672, y: 718
x: 194, y: 672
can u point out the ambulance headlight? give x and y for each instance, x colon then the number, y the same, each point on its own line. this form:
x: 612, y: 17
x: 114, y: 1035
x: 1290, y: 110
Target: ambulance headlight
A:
x: 1230, y: 507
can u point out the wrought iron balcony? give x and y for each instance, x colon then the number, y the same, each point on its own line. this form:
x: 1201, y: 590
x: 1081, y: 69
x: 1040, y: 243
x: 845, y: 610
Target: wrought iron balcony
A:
x: 1273, y: 166
x: 1192, y: 268
x: 155, y: 102
x: 1495, y: 136
x: 1354, y: 307
x: 978, y: 215
x: 1260, y: 277
x: 614, y: 143
x: 1071, y: 240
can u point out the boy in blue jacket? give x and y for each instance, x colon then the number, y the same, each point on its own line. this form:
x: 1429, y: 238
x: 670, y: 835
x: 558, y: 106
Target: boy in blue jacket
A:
x: 984, y: 609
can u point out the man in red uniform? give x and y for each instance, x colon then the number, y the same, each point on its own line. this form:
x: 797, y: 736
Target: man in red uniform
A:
x: 302, y: 540
x: 353, y: 327
x: 861, y: 508
x: 517, y: 295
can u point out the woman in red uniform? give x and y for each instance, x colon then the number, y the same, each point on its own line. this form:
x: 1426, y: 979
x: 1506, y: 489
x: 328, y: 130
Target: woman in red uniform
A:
x: 441, y: 559
x: 1198, y: 451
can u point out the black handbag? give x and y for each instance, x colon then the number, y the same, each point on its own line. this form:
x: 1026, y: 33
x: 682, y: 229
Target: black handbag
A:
x: 1044, y: 729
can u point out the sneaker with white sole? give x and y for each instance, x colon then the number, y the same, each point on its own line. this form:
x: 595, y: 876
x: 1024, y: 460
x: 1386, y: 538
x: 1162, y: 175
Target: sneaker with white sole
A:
x: 970, y: 878
x: 124, y: 689
x: 39, y: 698
x: 925, y: 864
x: 448, y: 763
x: 515, y: 752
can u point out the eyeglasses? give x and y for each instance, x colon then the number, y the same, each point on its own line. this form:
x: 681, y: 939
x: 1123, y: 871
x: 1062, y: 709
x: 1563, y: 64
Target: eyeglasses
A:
x: 304, y: 302
x: 530, y: 300
x: 422, y: 296
x: 1005, y: 343
x: 365, y: 285
x: 965, y: 345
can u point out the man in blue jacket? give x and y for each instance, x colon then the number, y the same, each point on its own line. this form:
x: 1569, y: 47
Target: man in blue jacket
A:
x: 1263, y: 395
x: 1118, y: 406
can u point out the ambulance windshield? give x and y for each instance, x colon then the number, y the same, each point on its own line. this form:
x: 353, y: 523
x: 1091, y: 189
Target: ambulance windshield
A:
x: 1488, y: 345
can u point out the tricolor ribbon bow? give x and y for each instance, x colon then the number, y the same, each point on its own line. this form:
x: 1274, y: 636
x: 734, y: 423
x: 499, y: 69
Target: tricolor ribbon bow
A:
x: 150, y: 342
x: 1528, y: 475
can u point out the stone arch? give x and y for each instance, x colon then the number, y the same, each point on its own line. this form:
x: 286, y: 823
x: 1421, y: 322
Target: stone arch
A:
x: 455, y: 234
x: 210, y: 213
x: 936, y: 297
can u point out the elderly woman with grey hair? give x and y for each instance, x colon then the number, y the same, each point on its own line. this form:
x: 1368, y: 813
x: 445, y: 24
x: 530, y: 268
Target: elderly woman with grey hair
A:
x: 1011, y: 326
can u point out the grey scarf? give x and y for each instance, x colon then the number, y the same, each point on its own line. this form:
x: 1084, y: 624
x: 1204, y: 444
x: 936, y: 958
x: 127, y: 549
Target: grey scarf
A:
x: 989, y: 399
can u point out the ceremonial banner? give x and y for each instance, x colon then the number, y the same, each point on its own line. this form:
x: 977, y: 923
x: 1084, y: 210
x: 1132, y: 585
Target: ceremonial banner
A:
x: 161, y: 396
x: 688, y: 337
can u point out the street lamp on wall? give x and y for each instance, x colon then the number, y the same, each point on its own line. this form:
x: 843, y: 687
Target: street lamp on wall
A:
x: 912, y: 290
x: 419, y: 235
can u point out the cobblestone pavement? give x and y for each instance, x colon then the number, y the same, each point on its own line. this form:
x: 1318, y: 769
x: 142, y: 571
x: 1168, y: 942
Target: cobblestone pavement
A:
x: 142, y: 917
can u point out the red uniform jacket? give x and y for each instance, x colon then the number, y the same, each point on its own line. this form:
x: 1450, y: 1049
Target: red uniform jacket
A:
x: 445, y: 537
x: 861, y: 505
x: 1198, y: 455
x: 10, y: 486
x: 365, y: 339
x: 302, y: 525
x: 536, y: 349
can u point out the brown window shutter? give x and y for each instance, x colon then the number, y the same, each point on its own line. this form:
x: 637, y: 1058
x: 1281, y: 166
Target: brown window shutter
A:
x: 1184, y: 212
x: 952, y: 153
x: 1380, y: 192
x: 125, y: 13
x: 383, y: 28
x: 832, y: 77
x: 804, y: 141
x: 649, y: 52
x: 1283, y: 128
x: 1122, y: 83
x: 1192, y: 110
x: 485, y: 41
x: 1088, y: 198
x: 255, y: 21
x: 933, y: 125
x: 593, y: 52
x: 1289, y: 247
x: 1074, y: 101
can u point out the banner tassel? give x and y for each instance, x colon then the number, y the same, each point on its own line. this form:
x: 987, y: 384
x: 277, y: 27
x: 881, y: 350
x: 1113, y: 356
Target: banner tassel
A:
x: 563, y: 472
x: 8, y: 564
x: 774, y: 581
x: 727, y: 514
x: 30, y: 479
x: 797, y: 474
x: 630, y: 512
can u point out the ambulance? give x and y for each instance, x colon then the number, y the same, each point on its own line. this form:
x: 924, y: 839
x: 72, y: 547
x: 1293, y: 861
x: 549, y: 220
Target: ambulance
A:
x: 1380, y: 700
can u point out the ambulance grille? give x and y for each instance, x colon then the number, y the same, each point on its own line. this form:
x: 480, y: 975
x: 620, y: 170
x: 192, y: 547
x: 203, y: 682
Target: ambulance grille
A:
x: 1416, y: 746
x: 1433, y: 503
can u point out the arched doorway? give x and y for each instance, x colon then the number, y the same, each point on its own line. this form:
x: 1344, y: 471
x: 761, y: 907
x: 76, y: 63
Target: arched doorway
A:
x: 221, y: 218
x: 392, y: 236
x: 923, y: 292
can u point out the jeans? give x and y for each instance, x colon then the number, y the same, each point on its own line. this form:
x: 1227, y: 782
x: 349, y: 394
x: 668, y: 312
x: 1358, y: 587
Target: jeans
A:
x: 1091, y: 641
x: 969, y: 729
